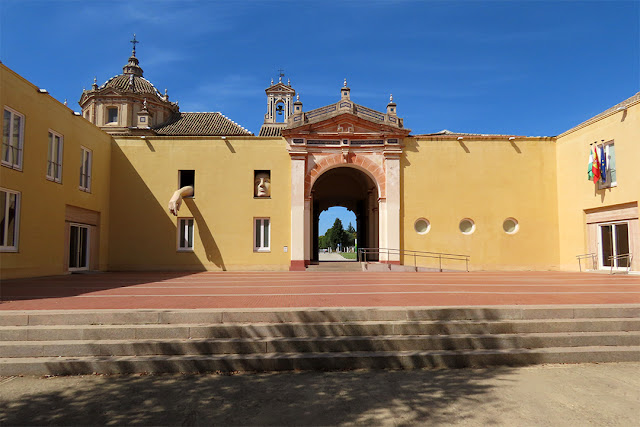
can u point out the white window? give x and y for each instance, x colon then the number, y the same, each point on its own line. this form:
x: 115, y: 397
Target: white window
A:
x: 12, y: 138
x: 185, y: 234
x: 9, y: 217
x: 112, y: 115
x: 54, y: 163
x: 262, y: 235
x: 610, y: 179
x: 85, y: 169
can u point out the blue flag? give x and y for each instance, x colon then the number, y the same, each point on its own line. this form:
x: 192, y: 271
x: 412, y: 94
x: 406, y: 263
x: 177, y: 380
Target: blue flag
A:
x: 603, y: 164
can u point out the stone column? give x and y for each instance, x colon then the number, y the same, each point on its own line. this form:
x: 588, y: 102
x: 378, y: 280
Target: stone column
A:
x: 307, y: 230
x: 392, y: 203
x: 298, y: 214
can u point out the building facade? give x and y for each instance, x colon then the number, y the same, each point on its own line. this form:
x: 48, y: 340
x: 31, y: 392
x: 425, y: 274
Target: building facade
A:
x: 91, y: 191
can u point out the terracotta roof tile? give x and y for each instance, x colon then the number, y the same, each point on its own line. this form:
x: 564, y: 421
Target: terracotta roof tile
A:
x: 200, y: 124
x: 267, y: 130
x: 140, y: 84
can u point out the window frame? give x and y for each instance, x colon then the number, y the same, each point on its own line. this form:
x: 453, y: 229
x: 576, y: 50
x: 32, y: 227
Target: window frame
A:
x: 614, y: 246
x: 16, y: 226
x: 108, y: 120
x: 260, y: 246
x: 87, y: 247
x: 52, y: 134
x: 183, y: 222
x: 85, y: 185
x: 13, y: 164
x: 609, y: 183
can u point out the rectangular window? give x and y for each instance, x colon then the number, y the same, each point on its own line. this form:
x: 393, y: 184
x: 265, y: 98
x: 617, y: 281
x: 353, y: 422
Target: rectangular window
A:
x: 112, y: 115
x: 610, y: 156
x: 187, y: 178
x: 12, y: 138
x: 185, y: 234
x: 85, y: 169
x: 9, y: 218
x: 262, y: 235
x: 54, y: 163
x: 614, y: 245
x: 78, y: 247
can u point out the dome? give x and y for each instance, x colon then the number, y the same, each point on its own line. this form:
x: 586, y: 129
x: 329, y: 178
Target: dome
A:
x: 131, y: 83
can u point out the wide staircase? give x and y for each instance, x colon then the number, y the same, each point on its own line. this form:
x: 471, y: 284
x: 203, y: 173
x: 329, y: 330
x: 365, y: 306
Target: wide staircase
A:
x: 124, y: 341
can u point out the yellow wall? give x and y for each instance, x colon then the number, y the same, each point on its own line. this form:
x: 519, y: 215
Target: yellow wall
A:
x: 576, y: 193
x: 487, y: 180
x: 41, y: 246
x: 144, y: 177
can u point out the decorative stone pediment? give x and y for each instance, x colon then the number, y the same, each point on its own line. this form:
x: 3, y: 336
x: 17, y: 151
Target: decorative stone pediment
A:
x: 280, y: 87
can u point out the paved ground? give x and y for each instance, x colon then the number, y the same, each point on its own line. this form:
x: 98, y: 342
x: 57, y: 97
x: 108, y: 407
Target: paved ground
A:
x: 314, y: 289
x: 326, y: 256
x: 553, y: 395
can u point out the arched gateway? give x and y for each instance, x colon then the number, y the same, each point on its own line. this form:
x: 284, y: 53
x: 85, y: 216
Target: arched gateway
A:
x: 348, y: 155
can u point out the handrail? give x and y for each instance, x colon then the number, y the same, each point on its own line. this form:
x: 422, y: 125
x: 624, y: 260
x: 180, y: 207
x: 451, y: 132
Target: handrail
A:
x: 362, y: 255
x: 594, y: 260
x: 629, y: 256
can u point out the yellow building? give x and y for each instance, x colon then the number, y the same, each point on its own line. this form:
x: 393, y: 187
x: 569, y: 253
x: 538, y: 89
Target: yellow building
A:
x: 92, y: 191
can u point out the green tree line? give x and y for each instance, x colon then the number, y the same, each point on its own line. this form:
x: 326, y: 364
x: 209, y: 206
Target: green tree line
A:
x: 337, y: 235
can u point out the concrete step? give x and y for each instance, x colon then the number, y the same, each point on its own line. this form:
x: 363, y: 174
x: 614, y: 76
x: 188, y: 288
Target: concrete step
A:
x: 314, y: 361
x: 264, y: 330
x: 335, y: 266
x: 14, y: 349
x: 212, y: 316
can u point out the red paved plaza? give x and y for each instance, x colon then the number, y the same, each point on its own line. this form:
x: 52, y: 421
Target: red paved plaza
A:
x: 156, y: 290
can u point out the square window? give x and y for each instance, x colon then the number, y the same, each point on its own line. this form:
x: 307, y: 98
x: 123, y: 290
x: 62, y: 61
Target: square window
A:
x: 185, y: 234
x: 54, y: 161
x: 86, y: 157
x: 9, y: 219
x: 262, y: 235
x: 12, y: 138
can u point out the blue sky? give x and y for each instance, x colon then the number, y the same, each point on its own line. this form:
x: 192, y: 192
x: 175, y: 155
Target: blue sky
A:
x: 517, y: 67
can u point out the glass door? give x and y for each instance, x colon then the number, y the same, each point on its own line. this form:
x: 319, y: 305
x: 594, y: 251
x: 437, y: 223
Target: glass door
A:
x: 78, y: 247
x: 614, y: 241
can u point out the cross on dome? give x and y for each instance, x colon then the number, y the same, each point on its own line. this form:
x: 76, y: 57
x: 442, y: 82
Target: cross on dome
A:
x: 134, y: 42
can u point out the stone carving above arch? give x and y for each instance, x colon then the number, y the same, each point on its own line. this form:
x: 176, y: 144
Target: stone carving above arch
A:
x: 354, y: 160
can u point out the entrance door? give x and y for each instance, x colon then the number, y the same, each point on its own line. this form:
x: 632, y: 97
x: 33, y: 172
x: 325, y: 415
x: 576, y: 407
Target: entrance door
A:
x: 614, y: 241
x: 78, y: 247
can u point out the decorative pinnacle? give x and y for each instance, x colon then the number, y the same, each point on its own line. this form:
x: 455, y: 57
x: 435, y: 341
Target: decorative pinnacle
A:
x: 144, y: 104
x: 298, y: 97
x: 65, y: 102
x: 345, y: 82
x: 95, y: 80
x: 134, y: 42
x: 271, y: 81
x: 288, y: 82
x: 391, y: 98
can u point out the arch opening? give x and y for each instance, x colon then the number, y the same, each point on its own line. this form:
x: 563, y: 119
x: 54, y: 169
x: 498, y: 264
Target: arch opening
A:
x: 352, y: 189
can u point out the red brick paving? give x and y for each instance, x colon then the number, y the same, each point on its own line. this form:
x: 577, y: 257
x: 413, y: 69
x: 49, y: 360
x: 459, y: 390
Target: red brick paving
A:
x: 153, y: 290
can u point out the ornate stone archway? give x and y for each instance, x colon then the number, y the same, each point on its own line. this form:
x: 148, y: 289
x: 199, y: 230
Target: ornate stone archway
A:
x: 344, y: 134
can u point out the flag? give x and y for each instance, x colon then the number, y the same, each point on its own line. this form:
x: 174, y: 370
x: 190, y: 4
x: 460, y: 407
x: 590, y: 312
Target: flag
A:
x: 603, y: 164
x: 590, y: 166
x: 596, y: 165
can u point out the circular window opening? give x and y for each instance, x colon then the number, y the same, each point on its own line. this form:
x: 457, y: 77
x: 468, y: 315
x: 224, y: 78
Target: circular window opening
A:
x: 467, y: 226
x: 510, y: 226
x: 422, y: 226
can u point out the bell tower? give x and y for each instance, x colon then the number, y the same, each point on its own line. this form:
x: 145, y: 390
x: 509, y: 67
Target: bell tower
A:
x: 280, y: 102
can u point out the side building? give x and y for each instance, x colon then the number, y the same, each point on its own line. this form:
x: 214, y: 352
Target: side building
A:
x: 54, y: 185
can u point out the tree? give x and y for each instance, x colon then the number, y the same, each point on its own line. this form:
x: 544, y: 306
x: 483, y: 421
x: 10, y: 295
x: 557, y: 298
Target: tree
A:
x: 351, y: 235
x: 322, y: 242
x: 335, y: 235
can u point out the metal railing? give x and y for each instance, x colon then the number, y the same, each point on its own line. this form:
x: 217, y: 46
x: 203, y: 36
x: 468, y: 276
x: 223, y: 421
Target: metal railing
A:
x: 617, y: 257
x: 594, y: 261
x: 365, y: 255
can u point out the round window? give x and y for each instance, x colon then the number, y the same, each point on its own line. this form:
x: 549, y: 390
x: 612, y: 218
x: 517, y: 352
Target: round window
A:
x: 467, y: 226
x: 422, y: 226
x: 510, y: 226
